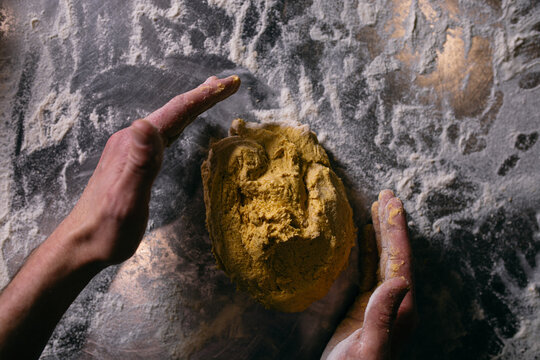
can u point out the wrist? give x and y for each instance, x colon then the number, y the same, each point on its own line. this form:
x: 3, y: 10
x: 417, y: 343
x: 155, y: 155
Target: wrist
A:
x: 36, y: 298
x: 69, y: 244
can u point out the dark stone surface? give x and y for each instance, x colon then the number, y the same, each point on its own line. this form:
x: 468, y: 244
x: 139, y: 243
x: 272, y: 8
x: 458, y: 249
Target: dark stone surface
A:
x: 431, y: 98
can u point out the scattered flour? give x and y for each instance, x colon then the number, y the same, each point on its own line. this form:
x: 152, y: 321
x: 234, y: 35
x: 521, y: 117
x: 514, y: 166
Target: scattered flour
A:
x: 286, y: 113
x: 527, y: 310
x: 138, y: 53
x: 429, y: 158
x: 8, y: 86
x: 52, y: 119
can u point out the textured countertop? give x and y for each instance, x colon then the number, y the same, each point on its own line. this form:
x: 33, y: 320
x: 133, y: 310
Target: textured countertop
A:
x: 438, y: 100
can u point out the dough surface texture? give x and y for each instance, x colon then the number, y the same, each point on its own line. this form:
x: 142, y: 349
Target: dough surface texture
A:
x: 278, y: 216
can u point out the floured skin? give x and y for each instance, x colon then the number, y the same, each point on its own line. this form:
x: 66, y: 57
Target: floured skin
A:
x: 278, y: 216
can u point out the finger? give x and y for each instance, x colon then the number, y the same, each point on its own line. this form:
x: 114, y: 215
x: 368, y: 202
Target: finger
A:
x: 394, y: 231
x: 178, y: 113
x: 380, y: 316
x: 377, y: 230
x: 384, y: 197
x: 355, y: 315
x: 376, y: 224
x: 144, y: 157
x: 399, y: 264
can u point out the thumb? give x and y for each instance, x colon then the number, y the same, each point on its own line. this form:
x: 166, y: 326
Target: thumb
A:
x: 144, y: 156
x: 380, y: 316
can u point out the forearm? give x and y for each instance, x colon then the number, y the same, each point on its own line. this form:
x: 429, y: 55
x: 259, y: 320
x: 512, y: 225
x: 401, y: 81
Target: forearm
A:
x: 35, y: 300
x: 104, y: 228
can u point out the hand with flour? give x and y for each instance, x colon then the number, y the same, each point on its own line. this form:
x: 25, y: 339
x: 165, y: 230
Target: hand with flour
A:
x: 380, y: 321
x: 105, y: 227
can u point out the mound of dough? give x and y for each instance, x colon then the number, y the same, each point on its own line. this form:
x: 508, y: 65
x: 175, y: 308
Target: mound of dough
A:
x: 278, y: 216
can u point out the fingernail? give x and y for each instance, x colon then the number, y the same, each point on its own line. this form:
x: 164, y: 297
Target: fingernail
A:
x: 384, y: 192
x: 235, y: 78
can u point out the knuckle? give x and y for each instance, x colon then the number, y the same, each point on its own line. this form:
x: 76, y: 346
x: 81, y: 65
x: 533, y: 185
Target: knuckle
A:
x: 141, y: 160
x: 146, y: 157
x: 145, y: 163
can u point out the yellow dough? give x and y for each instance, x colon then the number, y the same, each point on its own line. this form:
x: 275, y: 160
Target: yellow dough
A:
x: 278, y: 216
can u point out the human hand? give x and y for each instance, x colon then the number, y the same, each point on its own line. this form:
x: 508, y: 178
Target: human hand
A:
x: 379, y: 323
x: 112, y: 213
x: 105, y: 227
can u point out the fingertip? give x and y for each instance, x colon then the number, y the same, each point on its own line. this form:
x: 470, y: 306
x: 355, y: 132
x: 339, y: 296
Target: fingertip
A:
x: 179, y: 112
x: 395, y: 202
x: 214, y: 90
x: 231, y: 84
x: 218, y: 85
x: 384, y: 197
x: 393, y: 288
x: 407, y: 282
x: 398, y: 287
x: 394, y: 213
x: 235, y: 79
x: 386, y: 194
